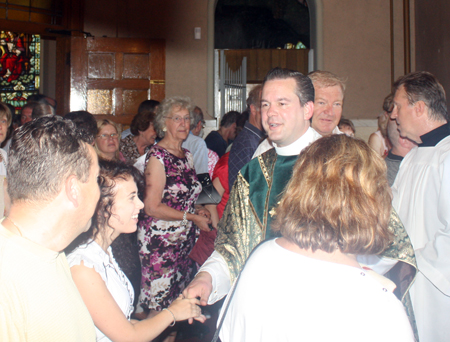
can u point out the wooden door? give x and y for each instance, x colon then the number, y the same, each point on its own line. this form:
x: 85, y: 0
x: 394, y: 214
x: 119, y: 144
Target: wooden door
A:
x: 110, y: 77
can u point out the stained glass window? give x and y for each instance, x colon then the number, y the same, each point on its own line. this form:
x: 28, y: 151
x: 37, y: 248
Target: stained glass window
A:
x: 19, y: 67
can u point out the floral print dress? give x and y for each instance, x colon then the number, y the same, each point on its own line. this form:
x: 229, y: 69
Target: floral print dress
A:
x: 165, y: 245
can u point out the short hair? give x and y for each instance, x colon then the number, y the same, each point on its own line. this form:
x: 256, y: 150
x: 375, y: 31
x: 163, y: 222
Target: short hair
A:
x: 347, y: 122
x: 166, y: 107
x: 254, y: 97
x: 148, y: 106
x: 110, y: 173
x: 5, y: 112
x: 85, y: 123
x: 41, y: 110
x: 304, y: 89
x: 424, y: 86
x: 388, y: 104
x: 325, y: 79
x: 337, y: 198
x: 229, y: 118
x: 196, y: 117
x: 141, y: 122
x: 43, y: 153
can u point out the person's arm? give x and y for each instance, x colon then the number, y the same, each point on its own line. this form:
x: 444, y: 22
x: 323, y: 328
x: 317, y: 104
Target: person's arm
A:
x: 212, y: 282
x: 155, y: 178
x: 109, y: 318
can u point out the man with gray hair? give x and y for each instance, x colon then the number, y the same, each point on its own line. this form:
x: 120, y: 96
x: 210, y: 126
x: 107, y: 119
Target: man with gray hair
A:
x: 421, y: 194
x: 52, y: 185
x: 195, y: 144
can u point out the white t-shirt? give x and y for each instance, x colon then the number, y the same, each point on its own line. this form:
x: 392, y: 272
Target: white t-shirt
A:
x: 116, y: 281
x: 285, y: 296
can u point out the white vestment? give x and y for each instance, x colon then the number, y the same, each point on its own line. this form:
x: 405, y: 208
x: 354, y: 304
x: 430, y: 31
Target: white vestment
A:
x: 422, y: 199
x: 285, y: 296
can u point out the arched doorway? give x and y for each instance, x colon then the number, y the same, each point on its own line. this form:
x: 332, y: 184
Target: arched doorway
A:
x: 315, y: 42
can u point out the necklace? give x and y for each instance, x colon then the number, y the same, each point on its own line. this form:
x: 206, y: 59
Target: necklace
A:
x: 15, y: 225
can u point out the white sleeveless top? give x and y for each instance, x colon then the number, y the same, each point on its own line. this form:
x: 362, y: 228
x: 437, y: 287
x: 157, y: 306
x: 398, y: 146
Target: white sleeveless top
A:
x: 93, y: 256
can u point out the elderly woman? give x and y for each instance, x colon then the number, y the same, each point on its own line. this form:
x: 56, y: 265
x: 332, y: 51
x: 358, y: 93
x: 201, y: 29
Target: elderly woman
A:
x: 107, y: 140
x: 170, y: 228
x: 307, y: 284
x: 104, y: 287
x: 144, y: 135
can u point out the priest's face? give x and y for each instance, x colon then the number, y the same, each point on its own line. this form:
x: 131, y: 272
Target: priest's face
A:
x: 404, y: 114
x: 283, y: 117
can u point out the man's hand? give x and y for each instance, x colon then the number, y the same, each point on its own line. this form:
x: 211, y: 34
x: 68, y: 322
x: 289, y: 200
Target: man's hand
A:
x: 200, y: 287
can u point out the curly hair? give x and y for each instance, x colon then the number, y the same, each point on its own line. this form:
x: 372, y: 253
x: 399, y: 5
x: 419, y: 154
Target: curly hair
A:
x: 337, y: 198
x: 166, y: 107
x: 110, y: 173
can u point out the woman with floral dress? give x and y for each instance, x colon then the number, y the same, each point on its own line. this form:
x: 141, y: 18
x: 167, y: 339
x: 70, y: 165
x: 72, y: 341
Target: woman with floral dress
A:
x: 169, y: 230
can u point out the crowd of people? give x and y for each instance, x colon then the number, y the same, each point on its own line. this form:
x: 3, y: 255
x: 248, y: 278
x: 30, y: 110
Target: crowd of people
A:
x: 315, y: 235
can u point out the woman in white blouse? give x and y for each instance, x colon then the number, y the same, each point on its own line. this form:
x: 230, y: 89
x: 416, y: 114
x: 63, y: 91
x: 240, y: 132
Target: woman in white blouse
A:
x: 106, y: 291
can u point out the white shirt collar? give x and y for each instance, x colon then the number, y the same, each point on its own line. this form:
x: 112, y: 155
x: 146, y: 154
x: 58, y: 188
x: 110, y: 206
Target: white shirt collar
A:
x: 297, y: 146
x: 334, y: 131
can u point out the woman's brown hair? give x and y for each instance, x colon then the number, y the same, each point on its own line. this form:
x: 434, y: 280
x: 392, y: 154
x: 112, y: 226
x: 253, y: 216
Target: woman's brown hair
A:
x: 338, y: 197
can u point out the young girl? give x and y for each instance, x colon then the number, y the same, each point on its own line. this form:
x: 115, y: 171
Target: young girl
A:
x: 105, y: 289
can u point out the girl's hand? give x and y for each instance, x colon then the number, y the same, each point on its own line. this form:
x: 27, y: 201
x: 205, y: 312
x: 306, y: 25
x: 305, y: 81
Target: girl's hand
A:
x: 184, y: 308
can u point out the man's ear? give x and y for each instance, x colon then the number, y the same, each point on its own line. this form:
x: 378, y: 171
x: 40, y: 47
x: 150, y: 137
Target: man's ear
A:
x: 419, y: 108
x: 72, y: 189
x: 308, y: 110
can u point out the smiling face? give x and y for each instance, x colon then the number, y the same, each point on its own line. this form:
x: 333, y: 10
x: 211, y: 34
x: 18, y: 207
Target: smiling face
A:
x: 283, y: 117
x: 106, y: 144
x: 126, y: 208
x: 178, y: 124
x: 327, y: 109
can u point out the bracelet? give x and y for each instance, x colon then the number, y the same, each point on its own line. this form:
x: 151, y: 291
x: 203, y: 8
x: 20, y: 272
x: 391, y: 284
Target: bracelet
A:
x: 185, y: 221
x: 174, y: 320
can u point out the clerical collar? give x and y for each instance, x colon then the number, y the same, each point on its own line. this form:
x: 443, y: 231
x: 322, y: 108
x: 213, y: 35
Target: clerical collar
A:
x: 297, y: 146
x: 433, y: 137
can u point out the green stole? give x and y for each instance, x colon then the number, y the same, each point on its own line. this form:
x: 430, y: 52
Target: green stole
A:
x: 274, y: 185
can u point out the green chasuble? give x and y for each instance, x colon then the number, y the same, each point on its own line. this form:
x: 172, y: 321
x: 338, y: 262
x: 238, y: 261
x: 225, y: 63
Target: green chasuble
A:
x: 247, y: 217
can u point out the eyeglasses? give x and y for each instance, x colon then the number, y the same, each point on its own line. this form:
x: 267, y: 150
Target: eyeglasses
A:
x: 179, y: 119
x: 107, y: 136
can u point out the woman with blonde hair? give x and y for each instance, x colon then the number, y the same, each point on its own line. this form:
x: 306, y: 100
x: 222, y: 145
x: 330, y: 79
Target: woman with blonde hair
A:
x: 307, y: 284
x: 107, y: 140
